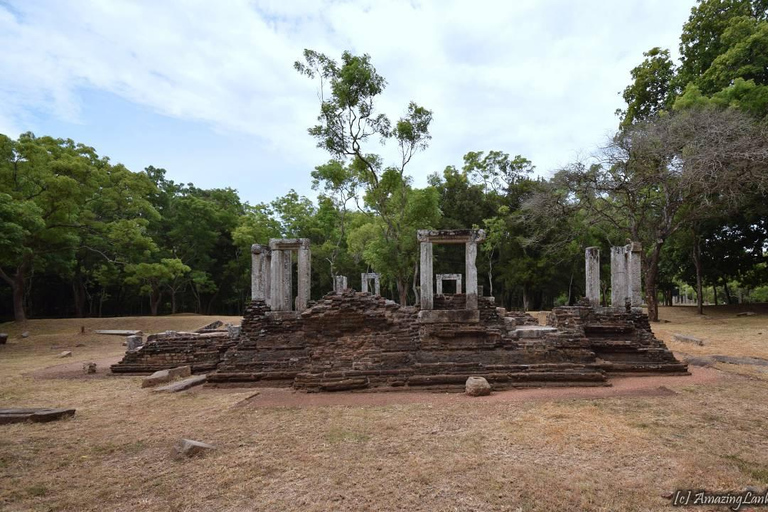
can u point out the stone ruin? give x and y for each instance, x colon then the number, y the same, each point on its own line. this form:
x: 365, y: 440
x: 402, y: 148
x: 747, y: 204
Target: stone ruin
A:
x: 351, y: 340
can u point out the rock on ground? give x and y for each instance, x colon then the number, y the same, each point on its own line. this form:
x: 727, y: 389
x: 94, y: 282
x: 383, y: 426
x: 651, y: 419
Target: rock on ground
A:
x: 190, y: 448
x: 182, y: 385
x: 477, y: 386
x: 66, y: 353
x: 89, y: 368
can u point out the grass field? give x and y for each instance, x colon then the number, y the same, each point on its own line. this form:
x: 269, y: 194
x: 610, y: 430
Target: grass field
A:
x: 423, y: 452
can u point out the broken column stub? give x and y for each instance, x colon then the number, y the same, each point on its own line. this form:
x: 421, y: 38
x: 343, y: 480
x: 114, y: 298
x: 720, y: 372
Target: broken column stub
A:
x: 441, y: 278
x: 470, y: 238
x: 592, y: 261
x: 340, y: 283
x: 366, y: 277
x: 282, y: 275
x: 261, y: 262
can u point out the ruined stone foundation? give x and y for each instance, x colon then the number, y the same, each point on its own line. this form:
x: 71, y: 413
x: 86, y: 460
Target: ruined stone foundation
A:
x: 358, y: 341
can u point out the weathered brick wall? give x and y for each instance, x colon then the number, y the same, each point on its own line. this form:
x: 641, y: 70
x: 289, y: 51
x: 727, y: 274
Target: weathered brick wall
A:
x: 202, y: 352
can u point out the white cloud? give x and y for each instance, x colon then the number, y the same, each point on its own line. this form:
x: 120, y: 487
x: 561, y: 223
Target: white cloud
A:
x: 537, y: 78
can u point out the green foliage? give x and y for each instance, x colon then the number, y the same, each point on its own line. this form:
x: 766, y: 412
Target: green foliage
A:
x: 651, y: 90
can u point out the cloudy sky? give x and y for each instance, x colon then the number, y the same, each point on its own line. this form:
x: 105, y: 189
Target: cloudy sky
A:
x: 207, y: 89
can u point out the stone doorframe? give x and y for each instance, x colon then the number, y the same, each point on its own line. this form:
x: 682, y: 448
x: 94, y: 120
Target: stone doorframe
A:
x: 470, y: 238
x: 282, y: 277
x: 366, y: 277
x: 441, y: 278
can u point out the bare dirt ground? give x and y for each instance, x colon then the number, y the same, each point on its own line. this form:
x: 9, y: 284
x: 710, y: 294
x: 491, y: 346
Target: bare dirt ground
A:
x: 617, y: 448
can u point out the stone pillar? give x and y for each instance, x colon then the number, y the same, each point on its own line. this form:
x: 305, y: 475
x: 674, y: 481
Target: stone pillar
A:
x: 634, y: 253
x: 260, y: 272
x: 304, y: 275
x: 287, y: 299
x: 471, y: 273
x: 592, y: 258
x: 618, y: 277
x: 340, y: 284
x: 276, y: 270
x: 425, y: 273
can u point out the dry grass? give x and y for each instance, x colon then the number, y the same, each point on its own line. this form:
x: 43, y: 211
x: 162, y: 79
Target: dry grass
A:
x: 607, y: 454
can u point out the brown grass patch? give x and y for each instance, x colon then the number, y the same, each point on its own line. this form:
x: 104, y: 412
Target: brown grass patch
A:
x: 616, y: 454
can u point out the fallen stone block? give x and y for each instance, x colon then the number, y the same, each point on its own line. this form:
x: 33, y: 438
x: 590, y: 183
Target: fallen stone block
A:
x: 134, y: 342
x: 3, y: 338
x: 746, y: 313
x: 117, y: 332
x: 38, y: 415
x: 755, y: 361
x: 163, y: 376
x: 66, y: 353
x: 703, y: 361
x: 477, y: 386
x: 190, y: 448
x: 211, y: 326
x: 89, y: 368
x: 182, y: 385
x: 25, y: 334
x: 688, y: 339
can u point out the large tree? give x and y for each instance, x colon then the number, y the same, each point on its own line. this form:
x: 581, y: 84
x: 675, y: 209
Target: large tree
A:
x: 347, y: 125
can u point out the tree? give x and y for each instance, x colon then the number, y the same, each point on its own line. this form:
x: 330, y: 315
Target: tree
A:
x: 348, y: 121
x: 153, y: 278
x: 666, y: 174
x: 652, y: 89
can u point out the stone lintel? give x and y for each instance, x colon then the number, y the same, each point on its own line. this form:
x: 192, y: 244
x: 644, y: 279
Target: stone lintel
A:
x: 288, y: 244
x: 450, y: 236
x: 454, y: 316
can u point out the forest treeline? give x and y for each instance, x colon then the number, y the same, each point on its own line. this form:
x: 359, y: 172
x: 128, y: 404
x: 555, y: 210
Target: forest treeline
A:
x: 685, y: 174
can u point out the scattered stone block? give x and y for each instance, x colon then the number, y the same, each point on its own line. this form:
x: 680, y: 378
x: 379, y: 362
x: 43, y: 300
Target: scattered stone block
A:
x: 66, y: 353
x: 163, y: 376
x: 702, y: 361
x: 684, y: 338
x: 233, y: 331
x: 182, y: 385
x: 477, y: 386
x: 754, y: 361
x: 134, y: 342
x: 89, y: 368
x: 37, y: 415
x: 211, y: 326
x: 190, y: 448
x: 3, y: 338
x: 746, y: 313
x: 117, y: 332
x: 25, y: 334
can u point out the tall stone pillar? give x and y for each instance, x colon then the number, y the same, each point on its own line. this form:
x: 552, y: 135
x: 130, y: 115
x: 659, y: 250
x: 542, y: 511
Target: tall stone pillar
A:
x: 618, y: 277
x: 287, y: 281
x: 471, y: 273
x: 304, y: 275
x: 257, y: 276
x: 592, y: 259
x: 634, y: 252
x: 260, y: 272
x: 276, y: 270
x: 425, y: 273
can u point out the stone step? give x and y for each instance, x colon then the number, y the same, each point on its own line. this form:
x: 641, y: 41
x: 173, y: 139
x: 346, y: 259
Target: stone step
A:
x: 533, y: 331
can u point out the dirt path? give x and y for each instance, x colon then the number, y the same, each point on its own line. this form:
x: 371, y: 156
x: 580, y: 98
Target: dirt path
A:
x: 620, y: 387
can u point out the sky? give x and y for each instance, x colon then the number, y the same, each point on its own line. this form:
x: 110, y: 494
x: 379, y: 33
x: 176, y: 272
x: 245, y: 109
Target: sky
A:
x: 207, y: 90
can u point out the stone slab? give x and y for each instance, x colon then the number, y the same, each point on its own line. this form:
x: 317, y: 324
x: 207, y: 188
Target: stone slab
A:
x: 182, y: 385
x: 533, y: 331
x: 458, y: 316
x: 116, y: 332
x: 42, y: 415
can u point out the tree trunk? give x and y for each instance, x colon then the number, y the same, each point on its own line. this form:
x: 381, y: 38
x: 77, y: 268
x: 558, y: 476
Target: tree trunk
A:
x: 714, y: 291
x: 651, y: 276
x: 78, y: 289
x: 727, y: 292
x: 697, y: 264
x: 154, y: 301
x: 18, y: 284
x: 402, y: 291
x: 417, y: 300
x: 525, y: 298
x: 173, y: 302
